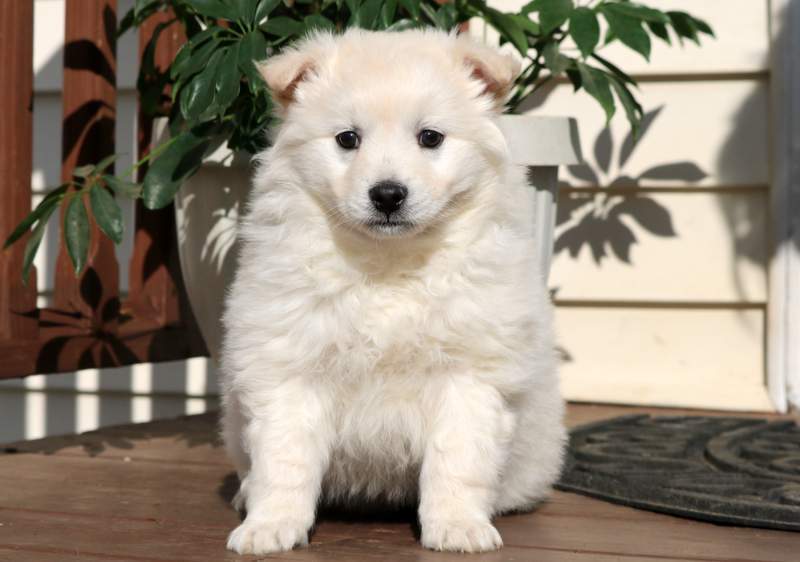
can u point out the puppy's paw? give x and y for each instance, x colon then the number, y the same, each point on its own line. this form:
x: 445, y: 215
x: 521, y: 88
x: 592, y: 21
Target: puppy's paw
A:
x: 460, y: 535
x: 263, y: 537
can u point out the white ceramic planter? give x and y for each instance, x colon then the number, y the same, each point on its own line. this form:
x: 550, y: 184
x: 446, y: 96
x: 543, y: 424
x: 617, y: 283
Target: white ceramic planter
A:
x: 208, y: 205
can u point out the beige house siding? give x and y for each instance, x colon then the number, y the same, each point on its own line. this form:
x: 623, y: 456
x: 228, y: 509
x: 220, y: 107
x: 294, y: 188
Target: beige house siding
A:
x: 663, y: 246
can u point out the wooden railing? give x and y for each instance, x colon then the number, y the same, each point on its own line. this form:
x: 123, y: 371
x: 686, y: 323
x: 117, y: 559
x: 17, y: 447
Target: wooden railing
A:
x: 88, y: 325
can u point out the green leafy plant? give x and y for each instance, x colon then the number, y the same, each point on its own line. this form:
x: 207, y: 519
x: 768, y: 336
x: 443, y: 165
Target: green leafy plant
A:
x: 217, y: 95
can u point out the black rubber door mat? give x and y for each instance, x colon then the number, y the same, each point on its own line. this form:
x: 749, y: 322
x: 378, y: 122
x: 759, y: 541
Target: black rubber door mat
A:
x: 725, y: 470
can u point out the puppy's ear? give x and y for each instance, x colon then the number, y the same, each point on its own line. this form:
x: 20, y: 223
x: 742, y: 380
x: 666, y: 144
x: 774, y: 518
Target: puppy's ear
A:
x: 495, y: 70
x: 284, y: 72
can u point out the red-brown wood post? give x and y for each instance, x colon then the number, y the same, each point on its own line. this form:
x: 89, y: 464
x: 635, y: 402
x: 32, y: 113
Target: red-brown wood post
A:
x: 89, y: 99
x: 155, y: 278
x: 17, y: 301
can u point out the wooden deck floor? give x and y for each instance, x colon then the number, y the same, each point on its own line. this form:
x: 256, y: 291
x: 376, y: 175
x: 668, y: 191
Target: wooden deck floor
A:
x: 160, y: 491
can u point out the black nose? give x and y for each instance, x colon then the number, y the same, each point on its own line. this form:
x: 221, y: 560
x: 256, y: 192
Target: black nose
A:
x: 388, y: 196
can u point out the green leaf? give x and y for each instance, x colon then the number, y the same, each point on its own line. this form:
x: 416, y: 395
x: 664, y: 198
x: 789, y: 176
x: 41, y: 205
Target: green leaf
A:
x: 178, y: 161
x: 628, y: 30
x: 143, y: 7
x: 106, y: 162
x: 367, y: 14
x: 106, y: 212
x: 76, y: 233
x: 252, y: 49
x: 388, y: 12
x: 633, y: 110
x: 584, y: 30
x: 214, y: 9
x: 638, y: 11
x: 554, y: 60
x: 282, y: 26
x: 687, y: 26
x: 660, y: 31
x: 702, y: 26
x: 228, y: 79
x: 198, y: 51
x: 683, y: 26
x: 429, y: 12
x: 352, y: 6
x: 83, y: 171
x: 446, y: 17
x: 42, y: 209
x: 527, y: 24
x: 264, y: 9
x: 596, y: 84
x: 122, y: 187
x: 141, y: 10
x: 412, y: 7
x: 402, y: 25
x: 552, y: 13
x: 198, y: 95
x: 317, y: 21
x: 508, y: 28
x: 247, y: 10
x: 32, y: 246
x: 180, y: 61
x: 618, y: 72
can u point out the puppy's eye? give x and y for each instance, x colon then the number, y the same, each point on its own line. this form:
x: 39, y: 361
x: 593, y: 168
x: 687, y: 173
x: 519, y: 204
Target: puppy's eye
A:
x: 429, y: 138
x: 348, y: 140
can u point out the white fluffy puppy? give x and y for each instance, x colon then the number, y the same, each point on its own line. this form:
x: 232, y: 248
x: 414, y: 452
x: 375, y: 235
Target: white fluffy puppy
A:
x: 388, y: 336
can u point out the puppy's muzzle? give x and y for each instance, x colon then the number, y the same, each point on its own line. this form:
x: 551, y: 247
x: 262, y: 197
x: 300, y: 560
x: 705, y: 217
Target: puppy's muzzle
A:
x: 388, y: 197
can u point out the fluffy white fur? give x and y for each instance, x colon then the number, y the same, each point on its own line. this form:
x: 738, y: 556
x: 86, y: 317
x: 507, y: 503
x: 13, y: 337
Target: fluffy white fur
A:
x: 410, y: 363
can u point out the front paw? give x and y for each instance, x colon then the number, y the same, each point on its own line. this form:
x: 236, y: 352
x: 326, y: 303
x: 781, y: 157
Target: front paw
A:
x: 263, y: 537
x: 460, y: 535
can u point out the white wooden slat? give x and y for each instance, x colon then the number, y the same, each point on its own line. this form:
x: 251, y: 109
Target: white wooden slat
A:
x: 688, y: 247
x: 48, y: 45
x: 701, y: 134
x: 706, y: 358
x: 48, y: 52
x: 741, y: 44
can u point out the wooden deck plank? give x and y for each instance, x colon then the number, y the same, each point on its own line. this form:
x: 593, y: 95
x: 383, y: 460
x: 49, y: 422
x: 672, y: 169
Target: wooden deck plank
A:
x: 36, y: 533
x: 160, y: 491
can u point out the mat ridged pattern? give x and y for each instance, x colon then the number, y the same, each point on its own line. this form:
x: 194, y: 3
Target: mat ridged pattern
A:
x: 726, y: 470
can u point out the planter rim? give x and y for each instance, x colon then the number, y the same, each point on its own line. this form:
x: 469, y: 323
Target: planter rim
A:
x: 535, y: 140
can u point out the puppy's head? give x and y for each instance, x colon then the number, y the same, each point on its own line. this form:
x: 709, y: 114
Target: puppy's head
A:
x: 387, y: 129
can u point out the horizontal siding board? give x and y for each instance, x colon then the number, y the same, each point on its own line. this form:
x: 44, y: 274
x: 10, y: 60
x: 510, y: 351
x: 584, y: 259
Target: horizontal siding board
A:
x: 664, y: 357
x: 662, y: 247
x: 700, y: 134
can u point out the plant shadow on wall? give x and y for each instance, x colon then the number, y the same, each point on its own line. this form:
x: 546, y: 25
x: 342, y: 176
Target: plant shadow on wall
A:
x: 603, y: 220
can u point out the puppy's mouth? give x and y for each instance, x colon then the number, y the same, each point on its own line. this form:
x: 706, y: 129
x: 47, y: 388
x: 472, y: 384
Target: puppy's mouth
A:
x: 389, y: 226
